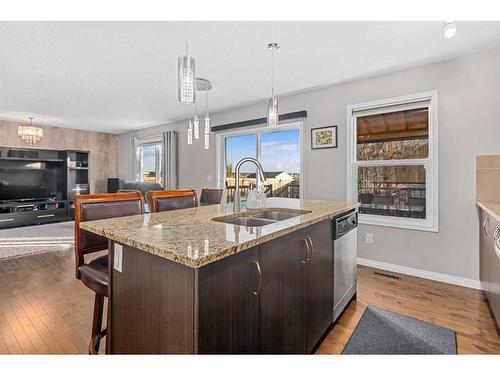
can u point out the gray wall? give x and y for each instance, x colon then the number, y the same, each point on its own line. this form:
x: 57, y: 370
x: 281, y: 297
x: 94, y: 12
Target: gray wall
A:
x: 469, y: 109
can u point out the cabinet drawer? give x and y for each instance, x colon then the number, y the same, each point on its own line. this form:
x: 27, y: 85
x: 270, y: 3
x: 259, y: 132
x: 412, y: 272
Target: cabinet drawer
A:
x: 40, y: 217
x: 11, y: 220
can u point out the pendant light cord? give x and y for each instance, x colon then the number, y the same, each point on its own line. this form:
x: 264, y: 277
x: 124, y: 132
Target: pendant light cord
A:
x: 206, y: 103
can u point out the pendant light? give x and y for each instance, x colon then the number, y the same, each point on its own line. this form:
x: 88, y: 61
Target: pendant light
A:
x: 272, y: 106
x: 196, y: 123
x: 190, y: 132
x: 186, y: 79
x: 203, y: 85
x: 207, y: 123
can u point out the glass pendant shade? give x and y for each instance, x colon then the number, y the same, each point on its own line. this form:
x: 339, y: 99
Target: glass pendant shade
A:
x: 196, y: 126
x: 272, y: 112
x: 272, y: 105
x: 186, y: 79
x: 207, y: 132
x: 190, y: 132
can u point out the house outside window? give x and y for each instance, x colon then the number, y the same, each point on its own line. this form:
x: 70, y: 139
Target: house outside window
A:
x: 392, y: 168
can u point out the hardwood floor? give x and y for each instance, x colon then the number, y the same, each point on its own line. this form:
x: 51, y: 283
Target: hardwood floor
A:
x: 44, y: 309
x: 461, y: 309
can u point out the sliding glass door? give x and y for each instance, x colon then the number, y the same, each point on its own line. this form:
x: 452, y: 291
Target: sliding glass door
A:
x: 278, y: 150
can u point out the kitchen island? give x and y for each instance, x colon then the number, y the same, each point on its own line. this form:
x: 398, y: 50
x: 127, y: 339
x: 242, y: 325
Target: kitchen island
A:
x: 205, y: 280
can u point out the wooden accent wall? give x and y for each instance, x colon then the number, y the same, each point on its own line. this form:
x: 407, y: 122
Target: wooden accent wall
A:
x: 488, y: 178
x: 102, y: 147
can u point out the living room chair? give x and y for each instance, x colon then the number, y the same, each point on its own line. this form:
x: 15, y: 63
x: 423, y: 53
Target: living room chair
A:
x: 94, y: 274
x: 168, y: 200
x: 210, y: 196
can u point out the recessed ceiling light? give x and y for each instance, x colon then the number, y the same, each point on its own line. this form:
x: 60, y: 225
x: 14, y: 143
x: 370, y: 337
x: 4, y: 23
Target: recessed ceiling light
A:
x: 450, y: 30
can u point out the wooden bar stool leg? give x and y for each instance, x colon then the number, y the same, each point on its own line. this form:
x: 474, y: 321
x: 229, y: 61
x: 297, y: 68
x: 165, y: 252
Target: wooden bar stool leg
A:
x: 97, y: 321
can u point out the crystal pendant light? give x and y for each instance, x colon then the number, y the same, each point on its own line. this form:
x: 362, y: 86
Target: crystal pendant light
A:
x: 186, y: 78
x: 204, y: 85
x: 272, y: 106
x: 196, y: 123
x: 190, y: 132
x: 207, y: 123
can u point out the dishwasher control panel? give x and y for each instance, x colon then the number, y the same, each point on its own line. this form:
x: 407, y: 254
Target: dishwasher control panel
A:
x: 344, y: 224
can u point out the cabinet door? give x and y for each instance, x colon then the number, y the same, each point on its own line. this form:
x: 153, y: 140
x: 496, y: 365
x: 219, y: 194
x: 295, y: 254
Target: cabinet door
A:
x: 319, y: 282
x: 485, y: 237
x: 283, y: 295
x: 494, y: 271
x: 228, y: 305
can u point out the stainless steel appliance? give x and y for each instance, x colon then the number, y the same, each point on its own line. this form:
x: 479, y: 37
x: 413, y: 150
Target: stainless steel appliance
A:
x: 344, y: 261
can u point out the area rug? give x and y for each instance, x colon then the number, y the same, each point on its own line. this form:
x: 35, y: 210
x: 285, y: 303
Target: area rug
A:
x: 36, y: 239
x: 384, y: 332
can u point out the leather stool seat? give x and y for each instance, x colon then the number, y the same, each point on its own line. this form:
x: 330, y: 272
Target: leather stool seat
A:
x: 95, y: 275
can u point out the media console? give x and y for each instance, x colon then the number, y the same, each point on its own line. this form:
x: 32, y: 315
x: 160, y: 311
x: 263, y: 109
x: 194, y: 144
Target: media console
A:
x: 15, y: 214
x: 38, y: 186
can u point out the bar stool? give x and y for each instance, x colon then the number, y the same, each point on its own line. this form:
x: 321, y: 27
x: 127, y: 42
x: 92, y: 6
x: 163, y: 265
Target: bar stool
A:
x: 210, y: 196
x: 167, y: 200
x: 94, y: 274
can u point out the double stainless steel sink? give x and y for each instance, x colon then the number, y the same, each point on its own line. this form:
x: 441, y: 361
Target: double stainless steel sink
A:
x: 260, y: 218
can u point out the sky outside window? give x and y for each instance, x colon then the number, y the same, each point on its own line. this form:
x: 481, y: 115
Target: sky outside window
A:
x: 280, y: 151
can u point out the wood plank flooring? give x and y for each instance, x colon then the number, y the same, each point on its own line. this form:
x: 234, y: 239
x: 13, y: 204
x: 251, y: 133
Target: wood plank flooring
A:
x: 461, y: 309
x: 44, y: 309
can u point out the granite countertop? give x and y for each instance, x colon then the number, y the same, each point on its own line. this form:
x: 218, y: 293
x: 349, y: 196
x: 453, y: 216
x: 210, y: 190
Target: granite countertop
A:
x: 492, y: 208
x: 191, y: 238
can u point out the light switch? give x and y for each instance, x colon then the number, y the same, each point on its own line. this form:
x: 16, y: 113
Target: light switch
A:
x: 118, y: 251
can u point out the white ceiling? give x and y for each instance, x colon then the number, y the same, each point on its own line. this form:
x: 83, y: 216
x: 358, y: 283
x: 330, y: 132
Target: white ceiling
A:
x: 119, y: 76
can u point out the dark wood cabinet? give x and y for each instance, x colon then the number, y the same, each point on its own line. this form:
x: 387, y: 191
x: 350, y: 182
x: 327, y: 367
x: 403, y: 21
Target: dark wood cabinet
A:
x: 228, y: 304
x: 283, y: 294
x: 485, y: 241
x: 319, y: 271
x: 296, y: 304
x: 494, y: 270
x: 489, y: 261
x: 274, y: 298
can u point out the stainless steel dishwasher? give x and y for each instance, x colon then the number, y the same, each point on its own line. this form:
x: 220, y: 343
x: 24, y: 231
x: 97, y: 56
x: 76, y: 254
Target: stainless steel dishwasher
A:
x: 344, y: 261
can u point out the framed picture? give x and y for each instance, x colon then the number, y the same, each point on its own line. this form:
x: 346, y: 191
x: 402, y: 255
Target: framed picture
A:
x: 324, y: 137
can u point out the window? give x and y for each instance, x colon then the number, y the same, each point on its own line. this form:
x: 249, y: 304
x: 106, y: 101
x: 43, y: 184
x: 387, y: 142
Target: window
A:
x: 149, y: 158
x: 393, y: 161
x: 278, y: 150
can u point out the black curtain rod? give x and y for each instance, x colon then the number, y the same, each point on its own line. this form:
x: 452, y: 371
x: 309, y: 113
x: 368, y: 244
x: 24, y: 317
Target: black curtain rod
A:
x: 258, y: 121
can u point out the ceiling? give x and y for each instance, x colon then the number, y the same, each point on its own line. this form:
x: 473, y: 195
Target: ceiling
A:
x: 119, y: 76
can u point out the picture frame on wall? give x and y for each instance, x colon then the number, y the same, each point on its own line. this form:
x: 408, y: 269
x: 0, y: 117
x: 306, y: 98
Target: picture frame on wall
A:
x: 324, y: 137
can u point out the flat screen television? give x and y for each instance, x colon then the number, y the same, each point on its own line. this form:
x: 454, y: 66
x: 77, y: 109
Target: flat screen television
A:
x: 27, y: 181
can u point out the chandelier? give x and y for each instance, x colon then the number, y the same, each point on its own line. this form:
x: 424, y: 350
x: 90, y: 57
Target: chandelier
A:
x: 30, y: 134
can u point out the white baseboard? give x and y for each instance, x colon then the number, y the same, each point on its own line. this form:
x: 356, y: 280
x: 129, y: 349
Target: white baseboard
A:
x: 442, y: 277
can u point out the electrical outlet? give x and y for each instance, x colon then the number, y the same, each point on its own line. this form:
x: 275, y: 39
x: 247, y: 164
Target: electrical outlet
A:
x: 369, y: 238
x: 118, y: 258
x: 209, y: 178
